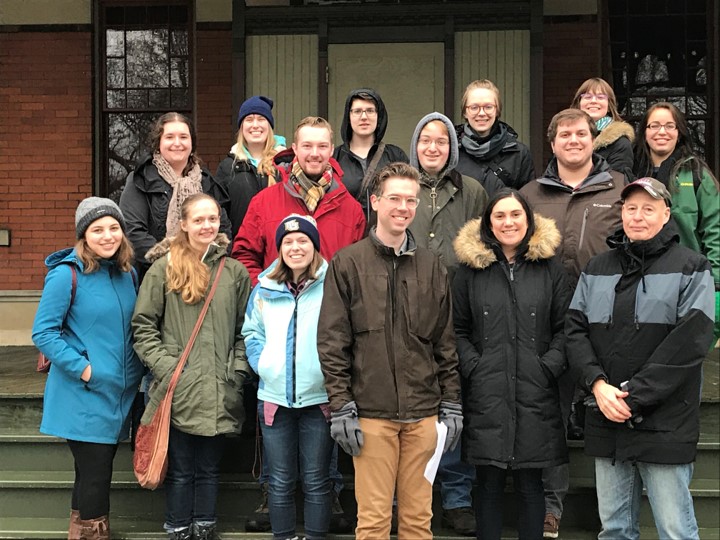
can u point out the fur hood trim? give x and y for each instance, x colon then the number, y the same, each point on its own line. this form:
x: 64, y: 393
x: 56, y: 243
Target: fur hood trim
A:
x: 162, y: 248
x: 612, y: 133
x: 473, y: 252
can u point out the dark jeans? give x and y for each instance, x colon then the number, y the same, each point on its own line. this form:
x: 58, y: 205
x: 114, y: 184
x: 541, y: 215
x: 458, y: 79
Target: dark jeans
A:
x: 191, y: 484
x: 93, y: 472
x: 530, y: 502
x: 298, y: 437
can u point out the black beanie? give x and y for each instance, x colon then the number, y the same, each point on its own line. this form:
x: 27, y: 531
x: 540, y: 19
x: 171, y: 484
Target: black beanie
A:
x: 297, y: 223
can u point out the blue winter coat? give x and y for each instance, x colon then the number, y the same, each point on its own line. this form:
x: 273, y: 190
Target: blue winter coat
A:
x: 96, y: 332
x: 281, y: 341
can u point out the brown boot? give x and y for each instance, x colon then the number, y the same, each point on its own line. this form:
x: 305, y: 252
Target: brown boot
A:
x: 95, y: 529
x: 74, y: 530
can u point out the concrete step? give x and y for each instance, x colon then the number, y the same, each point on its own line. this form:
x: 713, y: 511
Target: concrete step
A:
x: 124, y: 529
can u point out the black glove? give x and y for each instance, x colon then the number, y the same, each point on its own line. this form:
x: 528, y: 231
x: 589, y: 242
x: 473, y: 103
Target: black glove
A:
x: 345, y: 428
x: 451, y: 415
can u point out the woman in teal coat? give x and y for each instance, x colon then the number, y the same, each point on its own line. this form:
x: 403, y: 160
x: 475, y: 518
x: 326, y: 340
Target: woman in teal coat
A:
x: 83, y: 326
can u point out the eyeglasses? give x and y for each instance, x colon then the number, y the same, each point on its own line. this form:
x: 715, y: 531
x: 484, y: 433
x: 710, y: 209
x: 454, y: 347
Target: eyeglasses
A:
x: 596, y: 97
x: 670, y: 127
x: 397, y: 201
x: 439, y: 143
x: 474, y: 109
x: 370, y: 112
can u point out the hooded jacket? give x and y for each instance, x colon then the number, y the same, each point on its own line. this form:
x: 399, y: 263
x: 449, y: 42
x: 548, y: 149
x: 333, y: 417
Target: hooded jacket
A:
x: 208, y: 399
x: 509, y: 329
x: 642, y: 313
x: 353, y: 167
x: 511, y: 166
x: 144, y: 203
x: 614, y: 143
x: 94, y: 330
x: 585, y: 216
x: 385, y: 335
x: 339, y: 218
x: 445, y: 204
x: 281, y: 340
x: 695, y: 207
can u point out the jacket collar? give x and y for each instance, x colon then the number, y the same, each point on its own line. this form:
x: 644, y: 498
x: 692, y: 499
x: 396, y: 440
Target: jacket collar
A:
x: 475, y: 253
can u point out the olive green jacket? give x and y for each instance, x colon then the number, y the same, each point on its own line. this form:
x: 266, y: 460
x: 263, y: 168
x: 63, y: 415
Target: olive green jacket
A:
x: 208, y: 399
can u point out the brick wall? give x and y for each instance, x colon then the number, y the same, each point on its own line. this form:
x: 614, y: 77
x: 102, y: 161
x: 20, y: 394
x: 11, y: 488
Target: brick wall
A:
x: 571, y: 54
x: 45, y: 147
x: 216, y: 120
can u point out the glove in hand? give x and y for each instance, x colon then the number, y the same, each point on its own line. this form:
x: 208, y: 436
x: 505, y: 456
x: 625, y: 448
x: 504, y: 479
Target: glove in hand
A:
x: 345, y: 429
x: 451, y: 415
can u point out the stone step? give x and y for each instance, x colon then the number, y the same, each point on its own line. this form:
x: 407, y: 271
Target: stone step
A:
x: 132, y: 529
x: 239, y: 496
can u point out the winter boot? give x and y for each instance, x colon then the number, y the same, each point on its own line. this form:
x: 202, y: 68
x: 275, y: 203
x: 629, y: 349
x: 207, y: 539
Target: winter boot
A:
x: 74, y: 529
x: 95, y: 529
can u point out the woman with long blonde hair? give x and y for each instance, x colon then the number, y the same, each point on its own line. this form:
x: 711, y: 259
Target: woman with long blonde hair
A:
x: 208, y: 400
x: 248, y: 167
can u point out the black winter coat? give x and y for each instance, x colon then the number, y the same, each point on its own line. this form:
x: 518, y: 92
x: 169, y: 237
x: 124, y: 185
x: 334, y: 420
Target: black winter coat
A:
x: 242, y: 181
x: 511, y: 167
x: 510, y: 341
x: 643, y: 313
x: 144, y: 203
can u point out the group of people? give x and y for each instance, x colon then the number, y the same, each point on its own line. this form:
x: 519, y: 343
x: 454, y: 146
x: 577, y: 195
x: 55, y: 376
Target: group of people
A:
x: 397, y: 306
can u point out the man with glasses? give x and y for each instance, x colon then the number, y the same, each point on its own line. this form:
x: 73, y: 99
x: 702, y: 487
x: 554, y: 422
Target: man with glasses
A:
x: 638, y: 328
x: 582, y: 194
x: 387, y: 350
x: 448, y: 200
x: 363, y: 151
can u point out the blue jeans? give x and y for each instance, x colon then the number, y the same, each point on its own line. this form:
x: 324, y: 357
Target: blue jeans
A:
x: 456, y: 480
x: 619, y: 492
x: 298, y: 437
x: 191, y: 484
x: 530, y: 502
x: 336, y: 479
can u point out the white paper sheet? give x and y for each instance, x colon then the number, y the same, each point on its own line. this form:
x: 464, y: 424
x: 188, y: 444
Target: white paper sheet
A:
x: 432, y: 466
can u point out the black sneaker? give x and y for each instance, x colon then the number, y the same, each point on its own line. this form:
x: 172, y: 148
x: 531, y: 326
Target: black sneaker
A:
x: 460, y: 520
x: 260, y: 520
x: 339, y: 524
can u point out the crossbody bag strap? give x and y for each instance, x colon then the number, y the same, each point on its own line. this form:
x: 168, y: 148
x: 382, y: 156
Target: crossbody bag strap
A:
x: 195, y: 332
x: 370, y: 171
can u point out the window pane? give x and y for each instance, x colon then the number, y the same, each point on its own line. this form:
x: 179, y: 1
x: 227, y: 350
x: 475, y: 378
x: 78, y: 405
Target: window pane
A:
x: 179, y: 43
x: 127, y: 134
x: 116, y: 73
x: 137, y: 99
x: 180, y: 98
x: 115, y: 99
x: 160, y: 98
x: 115, y: 43
x: 147, y: 58
x: 179, y: 75
x: 697, y: 128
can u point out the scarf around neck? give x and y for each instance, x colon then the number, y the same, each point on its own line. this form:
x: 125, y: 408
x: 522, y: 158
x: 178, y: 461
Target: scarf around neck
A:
x: 484, y: 147
x: 603, y: 122
x: 183, y: 187
x: 311, y: 190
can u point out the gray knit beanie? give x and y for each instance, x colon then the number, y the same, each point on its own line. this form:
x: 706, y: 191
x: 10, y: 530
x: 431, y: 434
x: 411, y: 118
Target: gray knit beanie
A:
x: 92, y: 209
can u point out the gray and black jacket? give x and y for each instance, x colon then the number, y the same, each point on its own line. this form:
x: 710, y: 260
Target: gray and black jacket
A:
x: 643, y: 313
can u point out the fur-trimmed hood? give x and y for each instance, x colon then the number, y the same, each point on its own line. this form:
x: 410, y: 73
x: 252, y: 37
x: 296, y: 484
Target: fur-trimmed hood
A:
x: 162, y: 248
x: 612, y: 133
x: 473, y: 252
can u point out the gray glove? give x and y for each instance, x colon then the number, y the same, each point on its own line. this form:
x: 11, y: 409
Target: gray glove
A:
x: 451, y: 415
x: 345, y: 428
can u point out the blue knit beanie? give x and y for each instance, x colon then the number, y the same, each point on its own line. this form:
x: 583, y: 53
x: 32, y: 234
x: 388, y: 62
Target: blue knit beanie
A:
x: 257, y: 105
x: 301, y: 224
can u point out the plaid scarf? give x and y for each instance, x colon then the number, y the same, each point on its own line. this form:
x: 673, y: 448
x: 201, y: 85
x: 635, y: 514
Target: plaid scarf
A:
x: 310, y: 190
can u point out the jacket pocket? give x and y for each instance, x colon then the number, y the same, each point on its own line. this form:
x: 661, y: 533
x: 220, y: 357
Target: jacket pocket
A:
x: 422, y: 318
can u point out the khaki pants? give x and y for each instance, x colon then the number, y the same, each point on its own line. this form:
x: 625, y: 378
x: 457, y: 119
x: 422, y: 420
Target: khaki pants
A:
x: 393, y: 460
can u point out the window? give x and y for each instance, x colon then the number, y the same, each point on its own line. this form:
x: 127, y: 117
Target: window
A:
x: 146, y: 70
x: 659, y: 52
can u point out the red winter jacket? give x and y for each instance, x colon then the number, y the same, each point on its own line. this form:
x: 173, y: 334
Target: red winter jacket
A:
x: 339, y: 217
